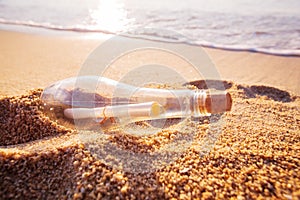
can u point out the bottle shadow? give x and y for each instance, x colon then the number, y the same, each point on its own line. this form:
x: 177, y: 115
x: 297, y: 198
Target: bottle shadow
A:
x: 249, y: 91
x: 269, y: 92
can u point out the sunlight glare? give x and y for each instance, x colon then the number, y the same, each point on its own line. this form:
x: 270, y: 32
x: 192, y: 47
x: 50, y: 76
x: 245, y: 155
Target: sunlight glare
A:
x: 111, y: 16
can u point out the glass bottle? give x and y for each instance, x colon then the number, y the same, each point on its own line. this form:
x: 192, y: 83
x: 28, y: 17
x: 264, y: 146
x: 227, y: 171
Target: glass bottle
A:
x: 101, y: 98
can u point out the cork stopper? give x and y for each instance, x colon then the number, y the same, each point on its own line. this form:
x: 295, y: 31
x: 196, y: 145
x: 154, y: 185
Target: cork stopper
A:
x: 218, y: 102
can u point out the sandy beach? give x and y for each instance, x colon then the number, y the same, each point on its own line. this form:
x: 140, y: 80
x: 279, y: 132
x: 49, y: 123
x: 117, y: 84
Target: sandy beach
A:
x: 256, y: 155
x: 41, y: 60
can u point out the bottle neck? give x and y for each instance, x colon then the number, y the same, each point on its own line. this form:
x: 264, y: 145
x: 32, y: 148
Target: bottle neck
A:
x: 195, y: 103
x: 198, y: 104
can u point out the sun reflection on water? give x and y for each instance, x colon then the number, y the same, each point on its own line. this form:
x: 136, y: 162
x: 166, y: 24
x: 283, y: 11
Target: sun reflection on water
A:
x: 110, y: 15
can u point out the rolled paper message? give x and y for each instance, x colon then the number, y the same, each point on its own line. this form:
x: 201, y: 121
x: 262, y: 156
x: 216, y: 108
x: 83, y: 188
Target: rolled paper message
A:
x: 140, y: 111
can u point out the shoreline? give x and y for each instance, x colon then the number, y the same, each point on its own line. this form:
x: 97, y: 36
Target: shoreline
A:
x: 102, y: 34
x: 34, y: 61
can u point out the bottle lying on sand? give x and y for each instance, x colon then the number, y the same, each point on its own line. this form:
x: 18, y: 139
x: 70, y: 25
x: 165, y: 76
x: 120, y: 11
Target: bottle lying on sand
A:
x: 100, y: 98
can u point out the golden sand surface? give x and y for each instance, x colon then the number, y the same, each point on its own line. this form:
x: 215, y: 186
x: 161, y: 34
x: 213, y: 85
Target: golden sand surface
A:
x: 256, y: 155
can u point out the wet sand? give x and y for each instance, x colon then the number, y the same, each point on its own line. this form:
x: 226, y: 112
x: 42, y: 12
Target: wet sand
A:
x: 255, y: 155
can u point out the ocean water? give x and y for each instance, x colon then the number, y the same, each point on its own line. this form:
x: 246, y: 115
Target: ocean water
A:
x: 269, y: 26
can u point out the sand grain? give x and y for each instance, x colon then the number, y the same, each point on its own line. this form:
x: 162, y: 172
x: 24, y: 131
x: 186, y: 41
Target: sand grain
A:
x: 257, y: 155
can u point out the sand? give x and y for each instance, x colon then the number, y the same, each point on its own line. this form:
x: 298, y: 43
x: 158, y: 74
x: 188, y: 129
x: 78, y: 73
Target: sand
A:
x: 256, y: 154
